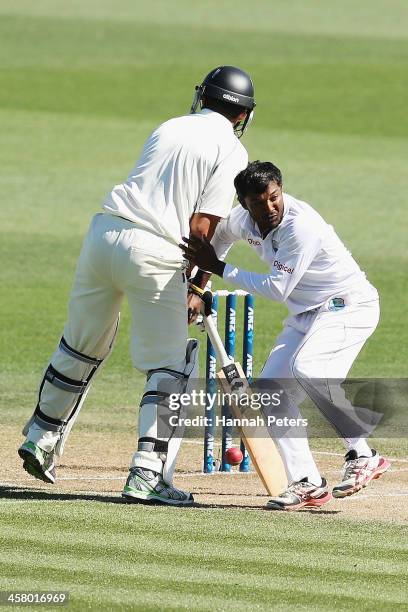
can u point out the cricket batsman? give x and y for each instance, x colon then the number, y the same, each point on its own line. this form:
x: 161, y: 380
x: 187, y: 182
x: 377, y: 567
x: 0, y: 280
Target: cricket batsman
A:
x: 333, y: 310
x: 183, y: 182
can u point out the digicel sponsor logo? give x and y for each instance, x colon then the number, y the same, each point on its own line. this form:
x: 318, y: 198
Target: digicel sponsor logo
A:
x: 254, y: 242
x: 281, y: 266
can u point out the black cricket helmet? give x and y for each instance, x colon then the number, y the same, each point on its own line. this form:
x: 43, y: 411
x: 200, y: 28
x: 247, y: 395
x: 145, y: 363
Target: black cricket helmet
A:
x: 231, y: 85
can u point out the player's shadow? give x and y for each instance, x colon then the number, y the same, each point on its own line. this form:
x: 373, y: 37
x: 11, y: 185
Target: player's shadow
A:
x: 122, y: 469
x: 263, y: 499
x: 212, y: 506
x: 20, y: 493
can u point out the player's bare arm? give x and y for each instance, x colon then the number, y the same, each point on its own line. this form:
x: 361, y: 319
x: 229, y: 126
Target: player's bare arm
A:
x: 200, y: 252
x: 201, y: 224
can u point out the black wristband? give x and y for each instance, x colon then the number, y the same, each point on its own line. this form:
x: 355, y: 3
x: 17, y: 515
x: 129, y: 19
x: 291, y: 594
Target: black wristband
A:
x: 219, y: 270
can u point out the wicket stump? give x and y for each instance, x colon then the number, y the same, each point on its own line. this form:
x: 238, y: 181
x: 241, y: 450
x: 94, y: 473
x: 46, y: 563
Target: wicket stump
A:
x: 211, y: 373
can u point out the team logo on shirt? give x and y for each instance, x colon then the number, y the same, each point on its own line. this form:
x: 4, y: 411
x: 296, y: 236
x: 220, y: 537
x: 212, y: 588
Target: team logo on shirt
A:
x: 254, y: 242
x: 281, y: 266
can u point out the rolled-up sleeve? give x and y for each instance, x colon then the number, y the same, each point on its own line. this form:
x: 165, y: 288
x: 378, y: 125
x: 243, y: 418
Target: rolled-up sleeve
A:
x: 218, y: 195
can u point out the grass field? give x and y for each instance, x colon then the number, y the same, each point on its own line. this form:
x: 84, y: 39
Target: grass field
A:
x: 81, y: 86
x: 201, y: 560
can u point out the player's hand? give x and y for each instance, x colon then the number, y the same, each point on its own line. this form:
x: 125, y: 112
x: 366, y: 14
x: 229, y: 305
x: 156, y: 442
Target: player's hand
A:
x: 194, y: 303
x: 199, y: 251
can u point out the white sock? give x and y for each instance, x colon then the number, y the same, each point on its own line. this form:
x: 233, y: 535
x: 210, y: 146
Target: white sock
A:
x: 360, y: 446
x: 43, y: 438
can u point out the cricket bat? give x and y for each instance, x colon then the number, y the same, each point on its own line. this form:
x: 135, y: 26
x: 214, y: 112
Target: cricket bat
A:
x: 261, y: 447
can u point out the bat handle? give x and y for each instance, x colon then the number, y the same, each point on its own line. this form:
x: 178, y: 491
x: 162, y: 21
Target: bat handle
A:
x: 212, y: 331
x: 216, y: 341
x: 207, y: 299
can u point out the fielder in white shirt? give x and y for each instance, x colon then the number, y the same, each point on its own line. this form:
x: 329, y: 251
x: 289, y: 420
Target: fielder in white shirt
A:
x: 183, y: 181
x: 333, y: 311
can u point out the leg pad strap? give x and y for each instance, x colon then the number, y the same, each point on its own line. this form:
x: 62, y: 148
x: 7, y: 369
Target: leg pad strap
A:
x: 155, y: 397
x: 65, y: 348
x: 48, y: 423
x: 171, y: 373
x: 151, y: 445
x: 63, y: 382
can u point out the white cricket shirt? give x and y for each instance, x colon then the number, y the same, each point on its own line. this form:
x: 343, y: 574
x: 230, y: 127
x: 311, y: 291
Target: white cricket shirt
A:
x: 308, y: 262
x: 187, y: 165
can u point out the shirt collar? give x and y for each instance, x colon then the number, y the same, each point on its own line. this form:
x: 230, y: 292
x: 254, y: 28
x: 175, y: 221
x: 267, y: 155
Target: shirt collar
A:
x: 213, y: 116
x: 286, y: 206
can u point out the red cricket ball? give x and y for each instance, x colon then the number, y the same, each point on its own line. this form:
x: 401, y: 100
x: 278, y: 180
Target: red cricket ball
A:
x: 234, y: 456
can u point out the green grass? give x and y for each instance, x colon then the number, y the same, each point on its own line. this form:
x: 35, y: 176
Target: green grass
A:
x: 122, y: 557
x: 81, y: 86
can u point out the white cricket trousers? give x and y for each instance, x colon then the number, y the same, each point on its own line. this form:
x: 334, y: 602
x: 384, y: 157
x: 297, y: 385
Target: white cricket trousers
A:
x: 320, y: 344
x: 116, y: 260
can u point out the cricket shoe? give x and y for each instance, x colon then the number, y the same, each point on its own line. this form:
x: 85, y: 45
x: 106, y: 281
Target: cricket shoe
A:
x: 38, y: 462
x: 146, y: 486
x: 301, y: 494
x: 359, y: 471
